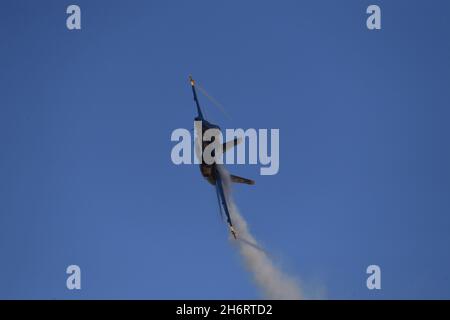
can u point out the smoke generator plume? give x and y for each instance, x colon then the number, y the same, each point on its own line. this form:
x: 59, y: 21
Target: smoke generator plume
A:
x: 268, y: 277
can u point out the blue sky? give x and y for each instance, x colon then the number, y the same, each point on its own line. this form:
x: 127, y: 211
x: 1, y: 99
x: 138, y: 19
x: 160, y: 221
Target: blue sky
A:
x: 85, y: 124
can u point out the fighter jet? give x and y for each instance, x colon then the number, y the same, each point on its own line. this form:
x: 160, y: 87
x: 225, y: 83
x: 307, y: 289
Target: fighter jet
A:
x: 210, y: 171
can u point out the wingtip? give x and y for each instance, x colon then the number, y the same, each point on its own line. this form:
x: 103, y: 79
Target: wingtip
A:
x: 233, y: 232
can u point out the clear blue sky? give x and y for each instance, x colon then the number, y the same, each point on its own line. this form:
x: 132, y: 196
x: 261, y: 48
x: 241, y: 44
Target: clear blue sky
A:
x: 85, y: 123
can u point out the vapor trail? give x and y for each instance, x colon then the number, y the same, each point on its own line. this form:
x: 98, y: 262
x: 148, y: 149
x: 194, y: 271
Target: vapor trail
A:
x: 270, y: 279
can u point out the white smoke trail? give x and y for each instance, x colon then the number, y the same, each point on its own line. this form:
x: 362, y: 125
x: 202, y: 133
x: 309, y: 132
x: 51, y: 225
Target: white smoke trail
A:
x: 269, y: 278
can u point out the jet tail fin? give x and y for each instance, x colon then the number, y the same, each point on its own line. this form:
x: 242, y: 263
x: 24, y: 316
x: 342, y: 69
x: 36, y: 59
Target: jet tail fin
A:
x: 237, y: 179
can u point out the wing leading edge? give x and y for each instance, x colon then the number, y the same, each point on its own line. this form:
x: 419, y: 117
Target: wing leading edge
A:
x: 223, y: 200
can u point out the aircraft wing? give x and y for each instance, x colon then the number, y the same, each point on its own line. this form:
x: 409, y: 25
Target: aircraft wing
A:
x: 238, y: 179
x: 223, y: 201
x: 219, y: 202
x: 231, y: 144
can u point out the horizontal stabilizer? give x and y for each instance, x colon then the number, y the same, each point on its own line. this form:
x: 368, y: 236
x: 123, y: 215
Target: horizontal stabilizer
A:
x: 237, y: 179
